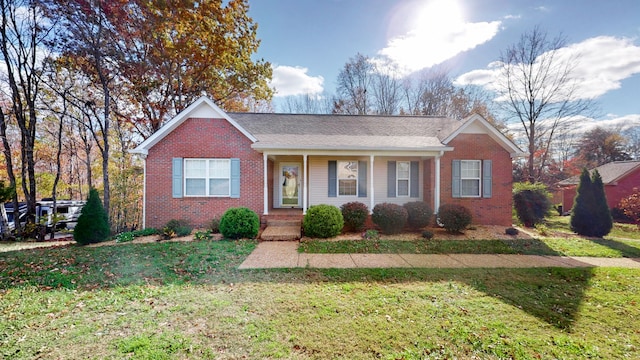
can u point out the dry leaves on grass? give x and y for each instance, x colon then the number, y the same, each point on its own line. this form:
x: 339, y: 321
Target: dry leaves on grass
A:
x: 484, y: 232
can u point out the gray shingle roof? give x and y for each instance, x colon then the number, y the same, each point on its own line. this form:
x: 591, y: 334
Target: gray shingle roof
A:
x: 610, y: 172
x: 346, y: 131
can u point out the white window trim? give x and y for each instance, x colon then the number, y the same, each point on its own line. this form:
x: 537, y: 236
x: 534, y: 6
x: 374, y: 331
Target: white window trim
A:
x: 207, y: 177
x: 479, y: 178
x: 338, y: 178
x: 398, y: 179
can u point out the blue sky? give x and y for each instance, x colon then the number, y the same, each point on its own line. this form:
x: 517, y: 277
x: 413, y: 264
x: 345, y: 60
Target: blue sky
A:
x: 309, y: 41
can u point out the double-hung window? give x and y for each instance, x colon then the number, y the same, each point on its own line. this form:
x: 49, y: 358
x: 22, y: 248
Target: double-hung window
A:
x: 403, y: 177
x: 207, y: 177
x: 470, y: 178
x: 347, y: 178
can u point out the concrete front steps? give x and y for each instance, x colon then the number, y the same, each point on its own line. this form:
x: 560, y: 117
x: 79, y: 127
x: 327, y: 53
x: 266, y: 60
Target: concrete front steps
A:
x: 282, y: 230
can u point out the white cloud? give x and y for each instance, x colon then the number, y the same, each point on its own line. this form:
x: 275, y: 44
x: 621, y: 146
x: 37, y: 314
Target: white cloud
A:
x: 439, y: 34
x: 579, y: 125
x: 602, y: 63
x: 294, y: 80
x: 510, y: 17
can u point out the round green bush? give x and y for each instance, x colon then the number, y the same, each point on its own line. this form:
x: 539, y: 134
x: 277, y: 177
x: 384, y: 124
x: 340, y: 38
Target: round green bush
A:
x: 454, y: 218
x: 418, y: 214
x: 93, y: 223
x: 355, y: 215
x: 323, y: 221
x: 238, y: 223
x: 391, y: 218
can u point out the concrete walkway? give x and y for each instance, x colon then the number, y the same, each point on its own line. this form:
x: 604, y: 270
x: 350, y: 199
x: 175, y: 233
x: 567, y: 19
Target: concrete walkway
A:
x: 284, y: 254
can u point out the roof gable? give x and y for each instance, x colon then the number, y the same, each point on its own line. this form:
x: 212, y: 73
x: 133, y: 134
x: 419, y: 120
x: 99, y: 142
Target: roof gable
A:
x: 476, y: 124
x: 201, y: 108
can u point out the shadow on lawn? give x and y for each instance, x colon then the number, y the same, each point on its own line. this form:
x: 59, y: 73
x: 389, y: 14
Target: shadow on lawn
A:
x: 553, y: 295
x: 625, y: 250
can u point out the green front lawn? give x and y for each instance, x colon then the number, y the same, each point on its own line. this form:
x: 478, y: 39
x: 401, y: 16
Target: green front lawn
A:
x: 545, y: 246
x: 188, y: 300
x: 558, y: 240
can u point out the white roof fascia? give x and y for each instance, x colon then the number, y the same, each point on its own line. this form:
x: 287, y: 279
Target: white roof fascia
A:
x: 165, y: 130
x: 506, y: 143
x: 355, y: 152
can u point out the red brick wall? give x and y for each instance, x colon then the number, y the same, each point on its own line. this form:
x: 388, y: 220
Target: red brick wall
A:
x: 624, y: 188
x: 200, y: 138
x: 486, y: 211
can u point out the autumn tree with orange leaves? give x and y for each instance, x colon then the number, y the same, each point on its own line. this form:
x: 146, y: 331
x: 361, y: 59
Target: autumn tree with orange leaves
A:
x: 139, y: 63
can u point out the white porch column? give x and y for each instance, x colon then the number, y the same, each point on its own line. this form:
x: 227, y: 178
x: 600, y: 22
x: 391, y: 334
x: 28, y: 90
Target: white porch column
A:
x: 436, y: 188
x: 144, y: 192
x: 265, y: 180
x: 305, y: 183
x: 372, y: 202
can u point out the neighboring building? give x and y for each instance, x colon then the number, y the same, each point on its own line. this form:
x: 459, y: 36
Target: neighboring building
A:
x: 205, y: 161
x: 619, y: 179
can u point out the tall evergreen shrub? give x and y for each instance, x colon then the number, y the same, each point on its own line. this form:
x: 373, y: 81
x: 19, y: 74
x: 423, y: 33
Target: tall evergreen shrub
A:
x: 93, y: 222
x: 590, y: 215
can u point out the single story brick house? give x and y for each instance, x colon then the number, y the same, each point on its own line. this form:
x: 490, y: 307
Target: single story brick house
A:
x: 619, y: 179
x: 205, y: 161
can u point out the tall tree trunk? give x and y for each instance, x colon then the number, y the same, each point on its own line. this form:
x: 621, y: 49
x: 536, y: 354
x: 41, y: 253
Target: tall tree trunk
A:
x: 6, y: 150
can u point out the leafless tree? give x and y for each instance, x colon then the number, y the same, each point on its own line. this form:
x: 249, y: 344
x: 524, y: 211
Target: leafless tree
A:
x: 633, y: 142
x: 537, y: 89
x: 308, y: 104
x: 21, y: 38
x: 354, y: 86
x: 387, y: 89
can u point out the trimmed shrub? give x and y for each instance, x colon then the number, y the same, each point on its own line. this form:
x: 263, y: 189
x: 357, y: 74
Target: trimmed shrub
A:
x: 427, y: 234
x: 454, y: 218
x: 214, y: 225
x: 93, y: 223
x: 511, y: 231
x: 590, y: 215
x: 177, y: 228
x: 371, y: 235
x: 532, y: 202
x: 145, y: 232
x: 391, y: 218
x: 238, y: 223
x: 354, y: 215
x: 323, y: 221
x: 125, y: 237
x: 202, y: 235
x: 418, y: 214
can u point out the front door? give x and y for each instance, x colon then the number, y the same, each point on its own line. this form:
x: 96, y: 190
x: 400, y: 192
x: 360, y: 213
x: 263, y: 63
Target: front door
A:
x: 290, y: 185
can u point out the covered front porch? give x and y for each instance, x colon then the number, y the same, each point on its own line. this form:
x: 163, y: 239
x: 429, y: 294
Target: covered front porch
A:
x: 295, y: 181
